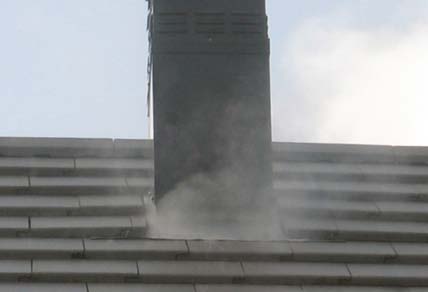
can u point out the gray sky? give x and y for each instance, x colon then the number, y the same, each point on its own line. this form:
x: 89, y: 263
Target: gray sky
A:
x: 350, y: 71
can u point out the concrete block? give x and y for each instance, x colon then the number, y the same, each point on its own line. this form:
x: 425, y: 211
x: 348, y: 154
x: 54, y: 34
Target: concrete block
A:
x: 89, y: 226
x: 84, y: 270
x: 381, y: 230
x: 317, y: 167
x: 114, y: 204
x: 317, y: 171
x: 94, y: 287
x: 411, y: 155
x: 13, y: 182
x: 359, y: 289
x: 36, y: 205
x: 403, y: 211
x: 11, y: 226
x: 189, y: 271
x: 28, y: 248
x: 12, y: 270
x: 395, y: 173
x: 326, y: 189
x: 393, y: 169
x: 328, y: 208
x: 246, y: 288
x: 133, y: 148
x: 42, y: 287
x: 34, y: 165
x: 114, y: 164
x: 369, y: 191
x: 332, y: 152
x: 77, y: 182
x: 140, y: 184
x: 55, y: 147
x: 295, y: 273
x: 412, y: 253
x: 389, y: 275
x: 135, y: 249
x: 86, y: 185
x: 238, y: 250
x: 343, y: 251
x: 316, y: 229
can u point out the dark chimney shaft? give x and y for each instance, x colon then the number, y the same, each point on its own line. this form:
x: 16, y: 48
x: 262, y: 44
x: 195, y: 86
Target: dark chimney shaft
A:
x: 211, y: 93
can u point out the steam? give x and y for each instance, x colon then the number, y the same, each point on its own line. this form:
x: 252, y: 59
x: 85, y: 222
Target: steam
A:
x: 212, y: 206
x: 353, y: 85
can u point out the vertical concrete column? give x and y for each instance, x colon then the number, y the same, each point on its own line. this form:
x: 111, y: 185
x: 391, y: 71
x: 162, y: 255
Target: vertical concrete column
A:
x: 212, y: 123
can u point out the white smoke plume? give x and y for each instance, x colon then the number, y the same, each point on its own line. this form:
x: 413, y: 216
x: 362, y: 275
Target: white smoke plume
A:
x: 353, y: 85
x: 212, y: 206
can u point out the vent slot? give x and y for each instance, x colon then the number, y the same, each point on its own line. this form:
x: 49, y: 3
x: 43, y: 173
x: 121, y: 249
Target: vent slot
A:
x: 171, y: 23
x: 248, y: 23
x: 209, y: 23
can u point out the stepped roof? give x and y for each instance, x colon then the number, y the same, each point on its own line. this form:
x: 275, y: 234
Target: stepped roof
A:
x: 73, y: 219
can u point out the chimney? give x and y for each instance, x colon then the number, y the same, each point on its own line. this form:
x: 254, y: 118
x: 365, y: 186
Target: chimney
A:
x: 211, y: 99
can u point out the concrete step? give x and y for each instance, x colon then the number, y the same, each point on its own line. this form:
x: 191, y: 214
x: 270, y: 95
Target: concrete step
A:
x: 307, y: 208
x: 89, y: 205
x: 70, y: 248
x: 354, y: 230
x: 403, y: 211
x: 34, y: 166
x: 73, y: 185
x: 338, y: 153
x: 295, y: 273
x: 217, y: 273
x: 389, y: 275
x: 190, y: 272
x: 35, y: 248
x: 37, y: 205
x: 74, y: 147
x: 247, y: 288
x: 342, y: 172
x: 206, y: 250
x: 72, y: 226
x: 315, y: 288
x: 96, y: 287
x: 115, y: 204
x: 88, y: 185
x: 14, y: 184
x: 347, y: 209
x: 43, y: 287
x: 13, y: 226
x: 135, y: 249
x: 352, y: 190
x: 119, y: 271
x: 338, y: 269
x: 303, y: 288
x: 350, y: 153
x: 77, y: 184
x: 344, y: 252
x: 238, y: 250
x: 123, y: 166
x: 87, y: 226
x: 83, y: 271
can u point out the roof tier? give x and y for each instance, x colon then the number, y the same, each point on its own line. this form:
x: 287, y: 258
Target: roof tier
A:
x: 73, y: 218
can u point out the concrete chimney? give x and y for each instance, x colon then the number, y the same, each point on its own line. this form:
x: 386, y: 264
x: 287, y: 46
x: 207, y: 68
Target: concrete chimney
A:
x: 211, y: 92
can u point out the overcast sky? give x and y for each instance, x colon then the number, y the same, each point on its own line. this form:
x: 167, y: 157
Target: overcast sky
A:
x: 344, y: 71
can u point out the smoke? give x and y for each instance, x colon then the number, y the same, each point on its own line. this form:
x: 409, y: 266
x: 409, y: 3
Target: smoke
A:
x: 353, y: 85
x: 213, y: 206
